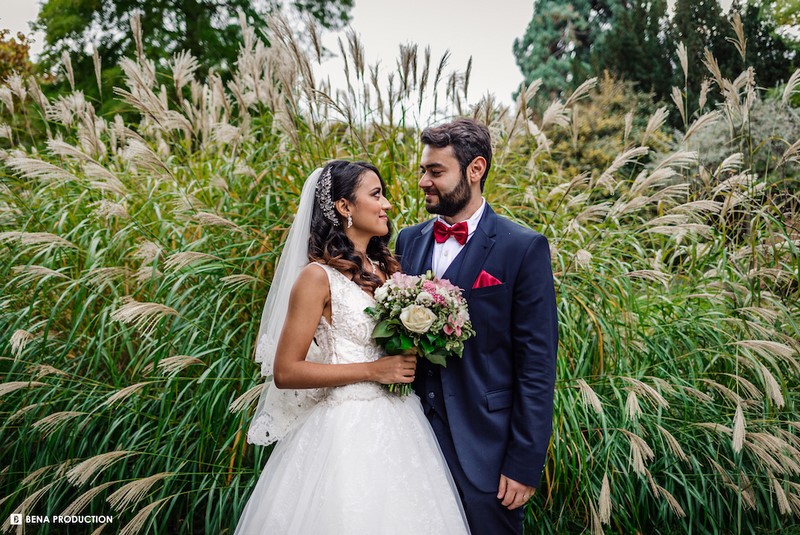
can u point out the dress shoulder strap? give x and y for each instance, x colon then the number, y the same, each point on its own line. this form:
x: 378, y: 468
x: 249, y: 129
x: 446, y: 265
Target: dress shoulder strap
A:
x: 336, y: 283
x: 333, y: 274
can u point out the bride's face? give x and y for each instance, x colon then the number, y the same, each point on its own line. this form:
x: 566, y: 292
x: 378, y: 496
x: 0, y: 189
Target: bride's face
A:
x: 370, y: 207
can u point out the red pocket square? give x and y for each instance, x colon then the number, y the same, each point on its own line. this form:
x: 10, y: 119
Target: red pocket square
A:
x: 484, y: 280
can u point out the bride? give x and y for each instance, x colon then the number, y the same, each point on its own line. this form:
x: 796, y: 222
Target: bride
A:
x: 351, y: 457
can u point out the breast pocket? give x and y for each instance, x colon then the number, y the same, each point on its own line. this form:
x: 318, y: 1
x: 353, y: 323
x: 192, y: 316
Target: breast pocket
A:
x: 497, y: 289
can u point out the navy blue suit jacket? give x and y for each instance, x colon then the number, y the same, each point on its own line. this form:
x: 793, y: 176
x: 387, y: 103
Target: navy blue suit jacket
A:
x: 499, y: 396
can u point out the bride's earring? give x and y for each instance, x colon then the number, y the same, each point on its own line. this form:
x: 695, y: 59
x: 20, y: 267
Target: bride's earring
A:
x: 349, y: 221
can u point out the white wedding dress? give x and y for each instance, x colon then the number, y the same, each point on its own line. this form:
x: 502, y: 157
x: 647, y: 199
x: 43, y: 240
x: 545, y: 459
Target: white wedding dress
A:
x: 362, y: 461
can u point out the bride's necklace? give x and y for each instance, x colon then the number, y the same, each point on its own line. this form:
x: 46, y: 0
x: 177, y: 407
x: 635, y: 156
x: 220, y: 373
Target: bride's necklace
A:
x: 374, y: 264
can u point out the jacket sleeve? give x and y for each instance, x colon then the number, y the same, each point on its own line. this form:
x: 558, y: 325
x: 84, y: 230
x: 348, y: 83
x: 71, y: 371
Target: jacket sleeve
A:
x: 534, y: 331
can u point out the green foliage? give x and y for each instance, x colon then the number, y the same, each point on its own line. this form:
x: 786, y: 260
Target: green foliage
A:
x: 787, y: 12
x: 637, y: 47
x: 598, y: 125
x: 768, y: 50
x: 136, y: 257
x: 14, y: 54
x: 762, y: 141
x: 209, y: 30
x: 634, y: 39
x: 556, y: 44
x: 700, y: 24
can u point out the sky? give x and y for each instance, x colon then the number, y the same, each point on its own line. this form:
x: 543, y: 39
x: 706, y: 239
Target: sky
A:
x: 466, y: 28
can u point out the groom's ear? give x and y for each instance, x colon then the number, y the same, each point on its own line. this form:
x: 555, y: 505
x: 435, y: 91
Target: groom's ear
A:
x: 476, y: 169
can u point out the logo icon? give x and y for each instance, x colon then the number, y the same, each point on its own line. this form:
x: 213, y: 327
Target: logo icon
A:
x: 16, y: 519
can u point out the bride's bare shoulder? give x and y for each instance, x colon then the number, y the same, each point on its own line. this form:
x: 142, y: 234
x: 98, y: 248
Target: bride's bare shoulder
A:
x: 313, y: 274
x: 311, y: 287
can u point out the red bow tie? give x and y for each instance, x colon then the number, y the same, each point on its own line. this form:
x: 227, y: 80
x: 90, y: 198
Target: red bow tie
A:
x: 459, y: 231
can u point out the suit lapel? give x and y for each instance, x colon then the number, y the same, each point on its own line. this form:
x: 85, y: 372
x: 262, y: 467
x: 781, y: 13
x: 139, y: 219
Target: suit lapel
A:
x: 421, y: 250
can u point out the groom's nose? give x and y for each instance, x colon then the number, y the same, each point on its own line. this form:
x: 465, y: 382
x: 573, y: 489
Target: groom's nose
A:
x: 424, y: 181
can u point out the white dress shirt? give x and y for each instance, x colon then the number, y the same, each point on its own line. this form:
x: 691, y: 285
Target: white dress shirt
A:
x: 445, y: 253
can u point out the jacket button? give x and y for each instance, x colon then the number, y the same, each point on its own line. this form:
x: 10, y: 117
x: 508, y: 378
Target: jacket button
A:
x: 431, y: 395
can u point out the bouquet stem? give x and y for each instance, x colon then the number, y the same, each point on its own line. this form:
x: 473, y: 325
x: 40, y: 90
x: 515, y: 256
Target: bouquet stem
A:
x: 401, y: 389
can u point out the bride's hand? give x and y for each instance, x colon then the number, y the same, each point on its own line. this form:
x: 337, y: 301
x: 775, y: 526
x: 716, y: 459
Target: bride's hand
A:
x: 394, y: 369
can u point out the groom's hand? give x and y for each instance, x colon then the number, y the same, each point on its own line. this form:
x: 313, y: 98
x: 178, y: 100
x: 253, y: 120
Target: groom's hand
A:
x: 513, y: 493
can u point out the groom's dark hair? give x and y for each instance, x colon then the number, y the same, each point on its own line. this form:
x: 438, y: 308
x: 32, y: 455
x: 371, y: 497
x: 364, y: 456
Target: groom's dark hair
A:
x: 469, y: 139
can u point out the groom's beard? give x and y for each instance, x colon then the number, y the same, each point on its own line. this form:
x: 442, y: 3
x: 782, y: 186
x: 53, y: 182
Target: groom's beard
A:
x: 453, y: 202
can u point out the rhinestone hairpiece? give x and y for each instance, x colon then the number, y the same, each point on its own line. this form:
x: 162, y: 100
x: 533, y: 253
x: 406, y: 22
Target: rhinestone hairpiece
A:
x: 325, y: 197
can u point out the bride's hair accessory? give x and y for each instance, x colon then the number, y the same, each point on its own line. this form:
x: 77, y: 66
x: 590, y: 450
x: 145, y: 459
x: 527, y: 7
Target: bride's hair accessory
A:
x: 325, y: 197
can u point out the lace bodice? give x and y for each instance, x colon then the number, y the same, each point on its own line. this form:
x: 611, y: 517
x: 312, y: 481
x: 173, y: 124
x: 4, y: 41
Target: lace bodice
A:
x: 348, y: 339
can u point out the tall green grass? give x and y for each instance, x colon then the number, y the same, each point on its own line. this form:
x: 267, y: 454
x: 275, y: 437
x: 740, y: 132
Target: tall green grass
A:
x: 136, y: 258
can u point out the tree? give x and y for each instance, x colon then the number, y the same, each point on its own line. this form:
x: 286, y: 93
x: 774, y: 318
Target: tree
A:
x: 701, y: 25
x: 638, y: 46
x: 636, y: 40
x: 772, y: 55
x: 14, y: 54
x: 208, y: 29
x: 557, y: 42
x: 787, y: 12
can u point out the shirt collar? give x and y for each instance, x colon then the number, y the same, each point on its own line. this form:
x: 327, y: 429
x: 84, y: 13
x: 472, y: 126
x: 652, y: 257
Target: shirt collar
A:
x: 472, y: 222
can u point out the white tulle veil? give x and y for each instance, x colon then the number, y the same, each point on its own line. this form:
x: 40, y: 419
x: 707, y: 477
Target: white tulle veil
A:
x: 279, y: 409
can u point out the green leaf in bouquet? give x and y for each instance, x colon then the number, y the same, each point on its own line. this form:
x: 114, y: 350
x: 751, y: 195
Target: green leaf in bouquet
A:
x: 406, y: 342
x: 394, y: 345
x: 427, y: 344
x: 369, y: 311
x: 437, y: 358
x: 384, y: 329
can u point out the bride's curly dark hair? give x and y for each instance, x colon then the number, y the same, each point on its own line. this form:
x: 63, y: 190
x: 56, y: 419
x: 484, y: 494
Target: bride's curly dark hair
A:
x: 328, y: 244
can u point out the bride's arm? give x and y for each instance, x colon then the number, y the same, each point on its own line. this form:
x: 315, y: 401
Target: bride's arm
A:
x: 307, y: 304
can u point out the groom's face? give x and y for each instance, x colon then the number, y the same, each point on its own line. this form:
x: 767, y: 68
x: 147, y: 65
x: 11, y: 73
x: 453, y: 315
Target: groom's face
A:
x: 447, y: 190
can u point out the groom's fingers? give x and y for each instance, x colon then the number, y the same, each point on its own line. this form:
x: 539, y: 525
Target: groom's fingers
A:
x: 510, y: 498
x: 519, y: 501
x: 513, y: 493
x: 501, y: 489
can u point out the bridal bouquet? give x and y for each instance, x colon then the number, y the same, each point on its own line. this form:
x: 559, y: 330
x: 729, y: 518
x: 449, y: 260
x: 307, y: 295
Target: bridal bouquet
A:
x: 422, y: 313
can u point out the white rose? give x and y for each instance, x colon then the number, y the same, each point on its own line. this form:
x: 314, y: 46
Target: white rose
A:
x: 424, y: 298
x: 381, y: 293
x: 417, y: 319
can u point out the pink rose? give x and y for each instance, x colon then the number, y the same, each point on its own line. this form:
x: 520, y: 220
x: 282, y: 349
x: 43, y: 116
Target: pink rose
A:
x: 403, y: 281
x: 449, y: 286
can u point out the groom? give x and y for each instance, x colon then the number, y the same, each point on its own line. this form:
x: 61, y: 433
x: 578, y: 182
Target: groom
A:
x: 492, y: 410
